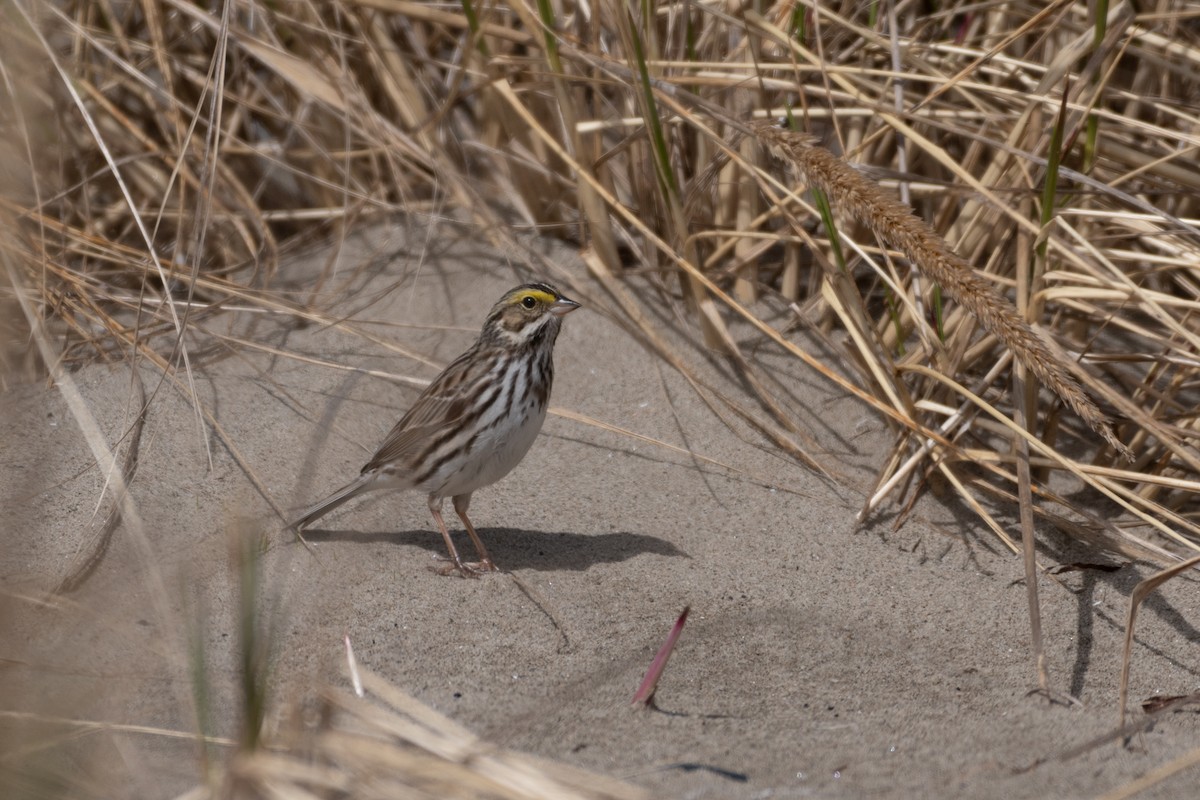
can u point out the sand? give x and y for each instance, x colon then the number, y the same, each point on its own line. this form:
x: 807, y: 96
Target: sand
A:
x: 821, y: 658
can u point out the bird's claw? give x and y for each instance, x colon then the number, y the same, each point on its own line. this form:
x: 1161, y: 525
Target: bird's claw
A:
x: 467, y: 569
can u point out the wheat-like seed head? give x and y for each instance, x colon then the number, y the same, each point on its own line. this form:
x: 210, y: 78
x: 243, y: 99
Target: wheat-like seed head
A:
x: 896, y: 225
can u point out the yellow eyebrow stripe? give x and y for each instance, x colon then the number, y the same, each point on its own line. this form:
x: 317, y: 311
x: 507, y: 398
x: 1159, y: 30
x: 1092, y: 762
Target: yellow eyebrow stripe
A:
x: 539, y: 295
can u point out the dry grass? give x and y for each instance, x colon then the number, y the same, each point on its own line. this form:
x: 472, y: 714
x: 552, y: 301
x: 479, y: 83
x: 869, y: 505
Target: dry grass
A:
x: 627, y: 134
x: 391, y: 745
x: 174, y: 154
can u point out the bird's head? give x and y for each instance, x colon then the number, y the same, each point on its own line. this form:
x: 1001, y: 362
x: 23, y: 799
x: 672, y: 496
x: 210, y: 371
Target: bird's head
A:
x: 527, y: 314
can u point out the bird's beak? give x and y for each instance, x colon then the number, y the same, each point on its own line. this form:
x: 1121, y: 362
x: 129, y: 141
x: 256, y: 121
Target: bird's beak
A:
x: 562, y: 306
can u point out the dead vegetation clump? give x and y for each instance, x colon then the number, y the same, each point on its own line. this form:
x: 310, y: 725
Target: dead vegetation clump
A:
x: 177, y: 152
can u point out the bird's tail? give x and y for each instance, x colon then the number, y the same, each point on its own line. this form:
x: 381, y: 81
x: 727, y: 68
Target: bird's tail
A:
x: 363, y: 483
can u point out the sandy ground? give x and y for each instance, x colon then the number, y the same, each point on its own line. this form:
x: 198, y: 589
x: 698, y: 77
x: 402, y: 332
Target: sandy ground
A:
x: 822, y: 658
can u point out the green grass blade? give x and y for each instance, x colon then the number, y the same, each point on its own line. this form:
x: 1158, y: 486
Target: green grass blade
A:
x: 473, y: 23
x: 546, y: 12
x: 1053, y: 162
x: 822, y: 203
x: 658, y: 140
x: 1093, y: 122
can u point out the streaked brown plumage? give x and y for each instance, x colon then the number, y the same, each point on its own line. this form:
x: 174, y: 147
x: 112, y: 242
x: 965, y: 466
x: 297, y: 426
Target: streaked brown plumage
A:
x: 477, y: 419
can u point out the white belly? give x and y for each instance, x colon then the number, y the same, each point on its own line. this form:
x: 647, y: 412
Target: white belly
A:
x: 494, y: 454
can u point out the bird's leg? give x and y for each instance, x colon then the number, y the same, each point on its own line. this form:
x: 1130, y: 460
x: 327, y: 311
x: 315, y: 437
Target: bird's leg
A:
x: 484, y: 564
x: 435, y: 508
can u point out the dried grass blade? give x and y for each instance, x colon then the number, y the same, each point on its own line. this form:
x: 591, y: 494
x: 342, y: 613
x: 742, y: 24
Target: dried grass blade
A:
x: 1154, y: 776
x: 1135, y: 600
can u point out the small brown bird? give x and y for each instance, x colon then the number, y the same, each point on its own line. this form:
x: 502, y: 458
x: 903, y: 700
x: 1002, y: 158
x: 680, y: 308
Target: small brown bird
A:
x: 475, y: 422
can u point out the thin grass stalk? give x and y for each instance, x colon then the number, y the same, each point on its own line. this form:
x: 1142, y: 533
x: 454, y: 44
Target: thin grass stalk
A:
x: 1050, y: 182
x: 1100, y: 28
x: 202, y: 697
x: 591, y: 207
x: 1154, y: 777
x: 1030, y: 264
x: 1136, y: 598
x: 712, y: 329
x: 476, y: 32
x: 255, y: 640
x: 1025, y: 411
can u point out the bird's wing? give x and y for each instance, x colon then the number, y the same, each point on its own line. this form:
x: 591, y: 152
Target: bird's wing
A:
x: 440, y: 406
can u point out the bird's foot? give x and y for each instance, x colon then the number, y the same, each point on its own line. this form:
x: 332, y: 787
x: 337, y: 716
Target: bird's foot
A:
x: 466, y: 569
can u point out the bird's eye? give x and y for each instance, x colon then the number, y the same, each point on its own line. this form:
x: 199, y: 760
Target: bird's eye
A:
x: 528, y: 301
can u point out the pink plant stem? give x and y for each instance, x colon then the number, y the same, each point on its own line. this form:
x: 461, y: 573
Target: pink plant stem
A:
x: 645, y: 692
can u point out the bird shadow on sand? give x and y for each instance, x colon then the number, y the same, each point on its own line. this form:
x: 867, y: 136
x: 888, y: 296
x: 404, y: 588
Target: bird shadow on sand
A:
x: 513, y: 548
